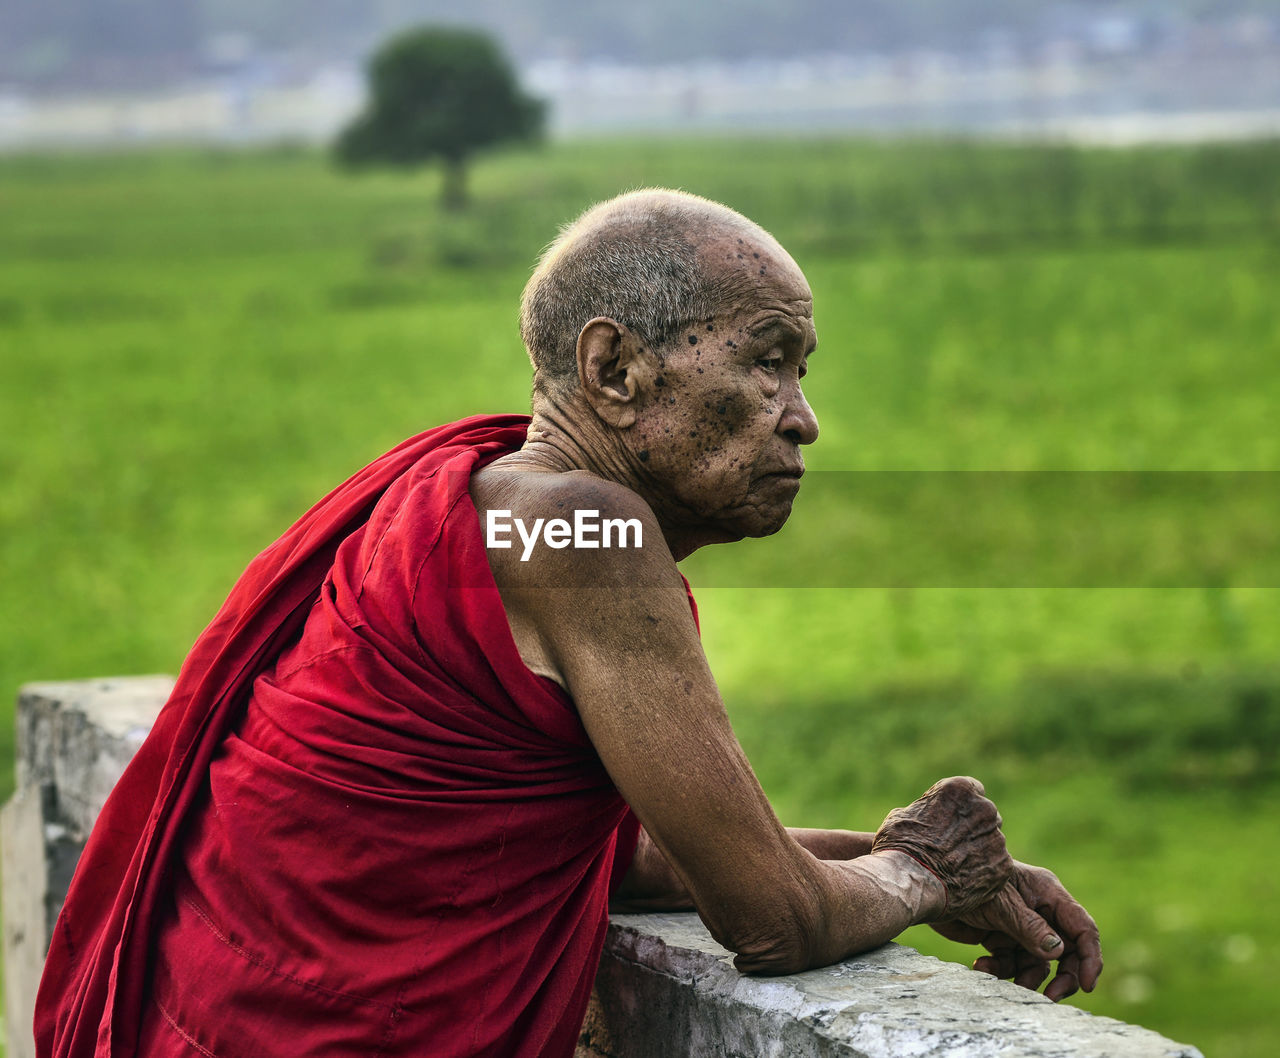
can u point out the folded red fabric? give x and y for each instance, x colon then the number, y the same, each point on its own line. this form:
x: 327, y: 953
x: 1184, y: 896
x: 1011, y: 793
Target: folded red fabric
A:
x: 361, y: 825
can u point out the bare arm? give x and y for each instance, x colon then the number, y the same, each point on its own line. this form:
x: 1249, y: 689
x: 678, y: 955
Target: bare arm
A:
x: 617, y: 631
x: 614, y: 628
x: 652, y: 885
x: 1047, y: 921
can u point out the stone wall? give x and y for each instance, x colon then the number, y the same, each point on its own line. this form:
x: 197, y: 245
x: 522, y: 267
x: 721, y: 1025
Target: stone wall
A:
x: 74, y: 740
x: 665, y: 989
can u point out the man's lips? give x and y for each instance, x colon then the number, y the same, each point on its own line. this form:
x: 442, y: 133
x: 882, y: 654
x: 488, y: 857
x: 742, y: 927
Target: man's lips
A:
x: 796, y: 472
x: 784, y: 474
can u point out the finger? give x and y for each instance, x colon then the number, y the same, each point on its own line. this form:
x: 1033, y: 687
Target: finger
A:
x: 1064, y: 984
x: 995, y: 941
x: 1002, y: 960
x: 1082, y: 932
x: 1090, y: 969
x: 1033, y: 975
x: 985, y: 965
x: 1027, y: 929
x: 960, y: 932
x: 1001, y: 966
x: 1067, y: 980
x: 1042, y: 890
x: 1088, y: 952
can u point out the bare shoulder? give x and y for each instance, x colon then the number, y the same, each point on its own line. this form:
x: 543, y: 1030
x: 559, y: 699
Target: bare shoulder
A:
x: 544, y: 493
x: 585, y: 574
x: 548, y: 529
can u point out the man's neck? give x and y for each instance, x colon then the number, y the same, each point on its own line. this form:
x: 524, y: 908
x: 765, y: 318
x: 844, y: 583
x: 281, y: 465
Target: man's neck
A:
x: 567, y: 435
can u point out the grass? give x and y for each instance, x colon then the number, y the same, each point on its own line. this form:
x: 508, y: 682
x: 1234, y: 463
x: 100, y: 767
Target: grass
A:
x: 1039, y: 544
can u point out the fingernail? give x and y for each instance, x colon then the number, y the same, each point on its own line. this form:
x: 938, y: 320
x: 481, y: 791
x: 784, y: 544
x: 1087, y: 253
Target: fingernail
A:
x: 1050, y: 942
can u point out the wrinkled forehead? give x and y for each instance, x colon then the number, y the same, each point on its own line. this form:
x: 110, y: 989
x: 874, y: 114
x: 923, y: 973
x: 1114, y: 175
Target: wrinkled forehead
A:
x: 756, y: 272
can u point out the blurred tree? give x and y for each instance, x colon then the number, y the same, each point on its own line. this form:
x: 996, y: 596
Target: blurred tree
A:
x: 439, y: 93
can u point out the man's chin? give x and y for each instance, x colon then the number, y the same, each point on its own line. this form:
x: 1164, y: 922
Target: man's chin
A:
x: 766, y: 523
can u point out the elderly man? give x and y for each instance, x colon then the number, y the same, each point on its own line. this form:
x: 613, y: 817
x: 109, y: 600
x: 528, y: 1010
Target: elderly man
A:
x: 462, y: 704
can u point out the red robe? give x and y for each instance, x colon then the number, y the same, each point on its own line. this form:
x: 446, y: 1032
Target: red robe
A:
x: 361, y: 825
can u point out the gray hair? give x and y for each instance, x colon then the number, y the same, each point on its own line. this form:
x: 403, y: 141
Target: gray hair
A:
x: 636, y: 259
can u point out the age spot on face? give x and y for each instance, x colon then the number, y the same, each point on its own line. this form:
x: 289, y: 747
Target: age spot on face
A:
x: 693, y: 339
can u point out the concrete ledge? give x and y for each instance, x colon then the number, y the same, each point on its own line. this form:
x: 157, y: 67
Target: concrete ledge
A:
x: 665, y: 989
x: 74, y: 740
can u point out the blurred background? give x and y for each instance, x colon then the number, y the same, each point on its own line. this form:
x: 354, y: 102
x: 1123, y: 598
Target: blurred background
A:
x: 76, y: 71
x: 1039, y: 542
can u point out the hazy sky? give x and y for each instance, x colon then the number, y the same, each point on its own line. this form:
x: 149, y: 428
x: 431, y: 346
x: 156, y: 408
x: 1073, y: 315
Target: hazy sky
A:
x: 104, y: 41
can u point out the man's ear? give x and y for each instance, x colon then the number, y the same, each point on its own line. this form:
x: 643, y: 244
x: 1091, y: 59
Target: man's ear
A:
x: 614, y: 370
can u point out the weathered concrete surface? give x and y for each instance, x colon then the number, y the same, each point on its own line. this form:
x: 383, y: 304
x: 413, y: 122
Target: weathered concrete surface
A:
x: 25, y: 891
x: 74, y: 740
x: 78, y: 736
x: 667, y: 990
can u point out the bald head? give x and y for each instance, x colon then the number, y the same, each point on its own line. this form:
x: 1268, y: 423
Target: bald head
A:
x: 641, y: 259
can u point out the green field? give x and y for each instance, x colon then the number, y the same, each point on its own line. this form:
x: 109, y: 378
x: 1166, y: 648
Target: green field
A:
x: 1041, y: 547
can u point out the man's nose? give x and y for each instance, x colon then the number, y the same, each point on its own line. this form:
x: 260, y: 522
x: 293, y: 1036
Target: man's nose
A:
x: 798, y: 423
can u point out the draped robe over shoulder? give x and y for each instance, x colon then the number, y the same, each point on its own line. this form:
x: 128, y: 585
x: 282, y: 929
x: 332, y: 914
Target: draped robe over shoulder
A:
x: 361, y: 825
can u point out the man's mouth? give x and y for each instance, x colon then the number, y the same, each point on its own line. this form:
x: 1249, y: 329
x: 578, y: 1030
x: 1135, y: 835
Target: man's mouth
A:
x: 786, y: 472
x: 788, y: 479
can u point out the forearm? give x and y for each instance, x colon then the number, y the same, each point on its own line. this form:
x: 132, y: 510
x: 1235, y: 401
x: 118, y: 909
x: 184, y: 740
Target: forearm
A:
x: 861, y: 904
x: 865, y: 901
x: 881, y: 894
x: 833, y: 844
x: 651, y: 885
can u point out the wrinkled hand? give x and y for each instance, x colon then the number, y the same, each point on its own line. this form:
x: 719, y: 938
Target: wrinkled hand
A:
x: 954, y: 831
x: 1029, y: 923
